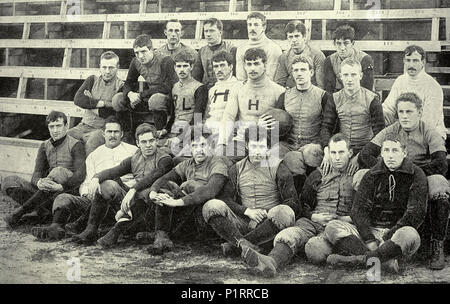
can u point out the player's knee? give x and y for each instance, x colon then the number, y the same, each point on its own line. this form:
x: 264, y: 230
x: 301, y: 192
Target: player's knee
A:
x: 358, y: 177
x: 214, y: 207
x: 158, y: 102
x: 10, y: 182
x: 334, y: 231
x: 95, y: 140
x: 295, y: 162
x: 109, y: 189
x: 282, y: 216
x: 60, y: 175
x: 288, y: 236
x: 61, y: 201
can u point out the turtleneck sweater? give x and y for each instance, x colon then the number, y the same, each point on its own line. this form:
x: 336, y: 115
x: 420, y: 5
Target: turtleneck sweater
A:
x: 249, y: 100
x: 272, y: 50
x: 428, y: 90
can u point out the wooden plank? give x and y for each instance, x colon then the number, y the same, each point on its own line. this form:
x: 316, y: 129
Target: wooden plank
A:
x: 21, y: 90
x: 271, y: 15
x: 63, y: 10
x: 308, y: 25
x: 326, y: 45
x: 7, y: 56
x: 14, y: 9
x: 324, y: 29
x: 435, y: 29
x: 45, y: 88
x: 232, y: 6
x: 438, y: 70
x: 352, y: 4
x: 26, y: 30
x: 198, y: 30
x: 447, y: 28
x: 53, y: 72
x: 46, y: 30
x: 18, y: 156
x: 337, y: 5
x: 38, y: 106
x: 143, y: 7
x: 88, y: 56
x: 106, y: 30
x: 249, y: 5
x: 29, y: 1
x: 125, y: 29
x: 67, y: 57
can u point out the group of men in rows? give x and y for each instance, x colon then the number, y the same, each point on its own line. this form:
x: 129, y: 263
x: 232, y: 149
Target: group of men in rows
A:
x: 351, y: 179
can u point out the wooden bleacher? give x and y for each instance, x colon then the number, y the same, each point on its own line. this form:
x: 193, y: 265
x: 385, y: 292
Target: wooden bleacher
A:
x: 18, y: 154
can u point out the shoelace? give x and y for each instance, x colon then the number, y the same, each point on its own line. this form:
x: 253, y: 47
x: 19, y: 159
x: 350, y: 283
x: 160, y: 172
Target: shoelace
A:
x: 391, y: 187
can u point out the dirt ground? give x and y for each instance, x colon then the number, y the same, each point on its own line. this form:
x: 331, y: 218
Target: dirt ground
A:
x: 25, y: 260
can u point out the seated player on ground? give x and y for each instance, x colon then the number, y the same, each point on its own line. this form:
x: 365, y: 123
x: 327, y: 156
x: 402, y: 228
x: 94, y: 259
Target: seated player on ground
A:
x: 426, y: 149
x: 68, y: 207
x: 389, y: 207
x: 323, y: 198
x: 182, y: 192
x: 59, y: 167
x: 260, y: 199
x: 128, y: 203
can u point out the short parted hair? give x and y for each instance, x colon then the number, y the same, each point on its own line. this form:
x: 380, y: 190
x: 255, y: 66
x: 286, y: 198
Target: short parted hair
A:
x: 395, y: 137
x: 184, y: 56
x: 111, y: 119
x: 410, y: 97
x: 295, y: 25
x: 351, y: 62
x: 304, y: 59
x: 109, y: 55
x: 414, y: 48
x: 214, y: 21
x: 145, y: 128
x: 259, y: 16
x: 54, y: 116
x: 223, y: 56
x: 339, y: 137
x: 143, y: 40
x: 254, y: 54
x: 344, y: 32
x: 257, y: 133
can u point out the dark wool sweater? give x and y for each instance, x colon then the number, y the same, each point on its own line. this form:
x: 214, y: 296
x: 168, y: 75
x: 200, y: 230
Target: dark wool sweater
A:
x: 376, y: 206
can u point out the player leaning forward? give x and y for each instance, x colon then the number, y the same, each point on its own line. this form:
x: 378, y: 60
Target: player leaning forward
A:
x: 324, y: 197
x: 146, y: 165
x: 59, y: 167
x: 68, y: 207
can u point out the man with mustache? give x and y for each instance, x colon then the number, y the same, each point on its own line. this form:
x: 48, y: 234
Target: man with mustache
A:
x: 388, y: 208
x: 95, y: 95
x: 129, y: 203
x: 203, y: 68
x: 152, y: 104
x: 174, y: 31
x: 180, y: 193
x: 59, y: 168
x: 426, y: 149
x: 260, y: 199
x: 256, y: 27
x: 344, y: 40
x: 416, y: 80
x: 295, y: 32
x: 189, y: 99
x: 67, y: 206
x: 323, y: 198
x: 220, y: 93
x: 356, y: 110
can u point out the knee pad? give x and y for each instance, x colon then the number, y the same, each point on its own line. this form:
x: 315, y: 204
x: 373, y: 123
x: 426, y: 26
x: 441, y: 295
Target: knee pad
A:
x: 282, y: 216
x: 213, y: 207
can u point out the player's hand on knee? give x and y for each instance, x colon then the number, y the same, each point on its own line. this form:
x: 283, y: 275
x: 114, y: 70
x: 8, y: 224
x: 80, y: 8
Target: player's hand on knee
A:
x: 256, y: 215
